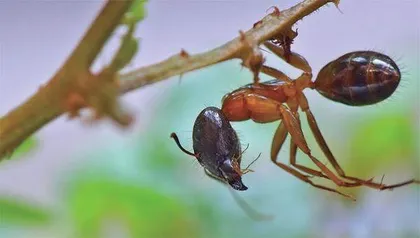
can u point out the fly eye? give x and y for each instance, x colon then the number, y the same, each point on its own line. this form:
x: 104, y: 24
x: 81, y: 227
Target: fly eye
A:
x: 226, y: 175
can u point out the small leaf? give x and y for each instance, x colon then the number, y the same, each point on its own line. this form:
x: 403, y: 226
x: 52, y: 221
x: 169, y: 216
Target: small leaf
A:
x: 136, y: 13
x: 127, y: 51
x: 143, y: 211
x: 13, y: 212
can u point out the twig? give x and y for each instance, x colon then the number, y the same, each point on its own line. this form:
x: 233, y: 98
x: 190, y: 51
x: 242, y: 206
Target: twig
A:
x: 178, y: 64
x: 46, y: 104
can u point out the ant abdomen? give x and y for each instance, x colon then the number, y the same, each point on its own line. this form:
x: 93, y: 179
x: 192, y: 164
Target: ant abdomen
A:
x: 359, y: 78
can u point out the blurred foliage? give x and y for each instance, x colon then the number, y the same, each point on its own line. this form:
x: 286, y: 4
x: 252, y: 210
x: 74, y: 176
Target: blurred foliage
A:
x: 136, y: 13
x: 142, y: 210
x: 26, y: 147
x: 159, y: 156
x: 381, y: 141
x: 20, y: 213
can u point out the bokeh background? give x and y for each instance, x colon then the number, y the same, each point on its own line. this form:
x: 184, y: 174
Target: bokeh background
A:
x: 74, y: 180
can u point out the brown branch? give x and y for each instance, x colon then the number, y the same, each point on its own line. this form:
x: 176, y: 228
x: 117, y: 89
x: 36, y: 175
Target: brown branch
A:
x: 178, y: 64
x: 45, y: 104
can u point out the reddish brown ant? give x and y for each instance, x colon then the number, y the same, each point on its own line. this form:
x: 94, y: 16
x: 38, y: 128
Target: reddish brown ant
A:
x: 217, y: 148
x: 357, y: 78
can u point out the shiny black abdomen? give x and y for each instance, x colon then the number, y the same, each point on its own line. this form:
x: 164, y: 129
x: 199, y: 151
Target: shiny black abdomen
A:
x: 359, y: 78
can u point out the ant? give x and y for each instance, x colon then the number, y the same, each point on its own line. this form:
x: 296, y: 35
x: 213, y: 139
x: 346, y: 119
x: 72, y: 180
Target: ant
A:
x: 357, y: 78
x: 217, y: 148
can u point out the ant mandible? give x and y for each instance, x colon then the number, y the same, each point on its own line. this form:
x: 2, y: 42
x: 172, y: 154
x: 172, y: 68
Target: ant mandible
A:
x: 357, y: 78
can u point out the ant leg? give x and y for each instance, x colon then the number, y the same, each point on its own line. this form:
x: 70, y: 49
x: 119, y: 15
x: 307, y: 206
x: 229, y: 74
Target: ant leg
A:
x: 278, y: 141
x: 275, y: 73
x: 295, y: 131
x: 261, y: 109
x: 295, y: 59
x: 322, y: 143
x: 293, y: 152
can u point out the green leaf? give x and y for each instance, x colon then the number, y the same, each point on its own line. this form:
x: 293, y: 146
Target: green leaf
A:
x: 14, y: 212
x: 382, y: 141
x: 129, y: 44
x: 128, y: 49
x: 27, y: 146
x: 136, y: 13
x: 143, y: 211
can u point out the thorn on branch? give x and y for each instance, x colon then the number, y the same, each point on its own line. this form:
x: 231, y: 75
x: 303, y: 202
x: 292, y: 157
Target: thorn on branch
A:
x: 336, y: 2
x: 256, y: 24
x: 184, y: 54
x: 276, y: 11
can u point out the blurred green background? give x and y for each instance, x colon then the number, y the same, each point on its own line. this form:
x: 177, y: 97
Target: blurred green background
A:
x: 144, y: 186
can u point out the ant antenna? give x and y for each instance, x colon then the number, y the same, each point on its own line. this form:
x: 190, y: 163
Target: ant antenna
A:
x: 252, y: 213
x: 175, y: 137
x: 247, y: 167
x: 245, y: 149
x: 237, y: 168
